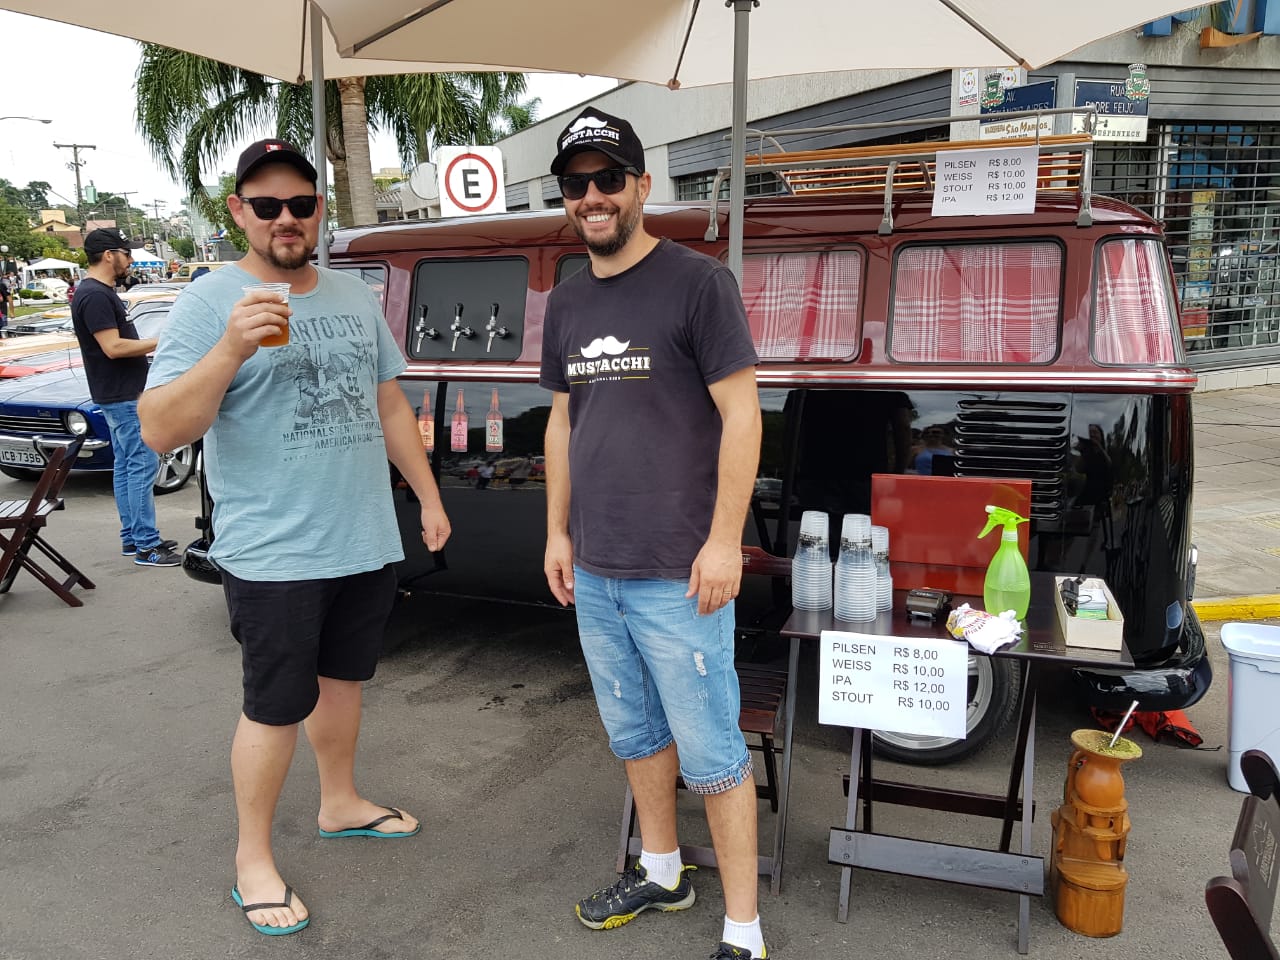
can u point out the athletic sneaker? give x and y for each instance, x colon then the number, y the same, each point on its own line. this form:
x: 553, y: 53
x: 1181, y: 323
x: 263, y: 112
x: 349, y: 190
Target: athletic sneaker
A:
x: 157, y: 556
x: 620, y: 902
x: 727, y: 951
x: 129, y: 550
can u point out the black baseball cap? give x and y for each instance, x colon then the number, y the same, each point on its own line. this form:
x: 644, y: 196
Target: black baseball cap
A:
x: 272, y: 151
x: 594, y: 129
x: 109, y: 238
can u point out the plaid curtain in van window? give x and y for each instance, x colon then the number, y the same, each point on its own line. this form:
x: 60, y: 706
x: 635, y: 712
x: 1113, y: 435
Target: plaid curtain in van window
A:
x: 1133, y: 322
x: 803, y: 306
x: 977, y: 303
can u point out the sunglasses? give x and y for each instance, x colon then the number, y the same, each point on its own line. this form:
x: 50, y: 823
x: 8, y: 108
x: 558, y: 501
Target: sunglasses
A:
x: 268, y: 208
x: 611, y: 180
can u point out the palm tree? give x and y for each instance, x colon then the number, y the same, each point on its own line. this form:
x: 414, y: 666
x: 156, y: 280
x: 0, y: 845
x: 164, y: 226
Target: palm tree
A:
x: 192, y: 110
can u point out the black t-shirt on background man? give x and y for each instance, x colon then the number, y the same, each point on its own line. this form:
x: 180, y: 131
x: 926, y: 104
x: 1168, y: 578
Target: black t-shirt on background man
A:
x: 96, y: 307
x: 636, y: 352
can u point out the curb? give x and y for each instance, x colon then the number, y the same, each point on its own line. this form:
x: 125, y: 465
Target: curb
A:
x: 1262, y: 607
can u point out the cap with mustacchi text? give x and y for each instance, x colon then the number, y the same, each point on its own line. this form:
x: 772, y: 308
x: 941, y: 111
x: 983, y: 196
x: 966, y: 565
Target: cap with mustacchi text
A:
x: 109, y: 238
x: 272, y: 151
x: 594, y: 129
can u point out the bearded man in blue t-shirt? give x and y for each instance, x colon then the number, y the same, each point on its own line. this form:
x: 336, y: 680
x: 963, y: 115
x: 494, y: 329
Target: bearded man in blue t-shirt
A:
x: 651, y: 453
x: 306, y: 530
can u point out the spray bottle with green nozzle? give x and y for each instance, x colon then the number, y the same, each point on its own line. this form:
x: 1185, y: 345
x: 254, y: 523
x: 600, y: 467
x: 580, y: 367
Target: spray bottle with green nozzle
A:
x: 1008, y: 585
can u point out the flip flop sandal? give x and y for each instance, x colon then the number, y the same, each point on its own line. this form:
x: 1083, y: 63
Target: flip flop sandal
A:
x: 267, y: 929
x: 370, y: 829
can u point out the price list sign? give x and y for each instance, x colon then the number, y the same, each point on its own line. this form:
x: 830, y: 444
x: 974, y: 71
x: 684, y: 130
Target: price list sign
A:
x: 916, y: 686
x: 986, y: 182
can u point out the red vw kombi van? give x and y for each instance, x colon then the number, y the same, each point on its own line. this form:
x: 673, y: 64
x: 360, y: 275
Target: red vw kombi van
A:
x: 1042, y: 346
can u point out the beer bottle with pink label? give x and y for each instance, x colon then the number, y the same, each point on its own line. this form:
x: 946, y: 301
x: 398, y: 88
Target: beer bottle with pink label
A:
x: 427, y: 423
x: 493, y: 427
x: 458, y: 435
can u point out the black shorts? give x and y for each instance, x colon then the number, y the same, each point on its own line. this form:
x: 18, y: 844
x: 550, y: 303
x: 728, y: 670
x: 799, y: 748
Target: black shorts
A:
x: 292, y: 632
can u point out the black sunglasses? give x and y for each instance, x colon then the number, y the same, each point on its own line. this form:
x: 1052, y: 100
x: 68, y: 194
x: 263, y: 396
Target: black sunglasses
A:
x: 610, y: 180
x: 268, y: 208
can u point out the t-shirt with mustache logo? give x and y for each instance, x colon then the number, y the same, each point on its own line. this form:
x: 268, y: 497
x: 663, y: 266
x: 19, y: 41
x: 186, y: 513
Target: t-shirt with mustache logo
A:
x: 636, y: 352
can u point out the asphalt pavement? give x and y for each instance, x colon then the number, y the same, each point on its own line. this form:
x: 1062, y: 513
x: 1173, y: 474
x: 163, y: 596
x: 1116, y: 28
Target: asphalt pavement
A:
x: 116, y: 815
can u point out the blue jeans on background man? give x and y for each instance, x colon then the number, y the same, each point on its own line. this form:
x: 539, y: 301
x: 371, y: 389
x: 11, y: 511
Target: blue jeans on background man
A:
x: 135, y: 473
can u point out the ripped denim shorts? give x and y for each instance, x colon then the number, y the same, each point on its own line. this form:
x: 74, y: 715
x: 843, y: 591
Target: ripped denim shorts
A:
x: 661, y: 673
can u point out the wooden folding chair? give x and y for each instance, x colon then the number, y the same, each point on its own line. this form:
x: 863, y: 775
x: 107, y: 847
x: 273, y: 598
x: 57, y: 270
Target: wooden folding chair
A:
x: 1241, y: 904
x: 21, y: 523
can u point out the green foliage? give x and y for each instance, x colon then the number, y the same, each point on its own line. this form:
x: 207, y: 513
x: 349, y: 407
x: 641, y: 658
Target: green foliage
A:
x: 15, y: 232
x: 184, y: 247
x: 226, y: 187
x: 33, y: 197
x: 52, y: 245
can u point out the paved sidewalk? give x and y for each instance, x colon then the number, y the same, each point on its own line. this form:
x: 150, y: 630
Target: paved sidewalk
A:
x: 1236, y: 505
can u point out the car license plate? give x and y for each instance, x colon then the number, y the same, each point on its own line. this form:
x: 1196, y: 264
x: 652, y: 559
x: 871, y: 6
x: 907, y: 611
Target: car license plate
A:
x: 22, y: 458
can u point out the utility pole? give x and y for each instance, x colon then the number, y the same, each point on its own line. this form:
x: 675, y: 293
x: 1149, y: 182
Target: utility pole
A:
x: 155, y: 206
x: 128, y: 219
x: 75, y: 164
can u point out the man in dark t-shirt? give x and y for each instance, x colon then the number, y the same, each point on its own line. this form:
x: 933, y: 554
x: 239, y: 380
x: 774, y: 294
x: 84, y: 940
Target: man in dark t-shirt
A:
x: 651, y: 453
x: 115, y: 364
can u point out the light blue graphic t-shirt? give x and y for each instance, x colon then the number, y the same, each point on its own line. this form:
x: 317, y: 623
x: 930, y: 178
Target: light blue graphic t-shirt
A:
x: 296, y: 461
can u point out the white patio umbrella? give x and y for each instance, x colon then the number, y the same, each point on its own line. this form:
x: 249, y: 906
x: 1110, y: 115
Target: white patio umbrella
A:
x: 271, y: 37
x: 698, y: 42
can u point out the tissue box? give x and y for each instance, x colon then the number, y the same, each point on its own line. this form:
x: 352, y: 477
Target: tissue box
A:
x: 1095, y: 634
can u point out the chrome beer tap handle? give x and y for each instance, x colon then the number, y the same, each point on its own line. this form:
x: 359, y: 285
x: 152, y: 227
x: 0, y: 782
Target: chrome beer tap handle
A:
x: 493, y: 328
x: 422, y: 330
x: 458, y: 329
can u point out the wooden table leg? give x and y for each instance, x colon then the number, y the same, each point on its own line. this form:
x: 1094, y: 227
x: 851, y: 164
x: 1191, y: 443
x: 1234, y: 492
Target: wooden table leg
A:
x: 850, y: 821
x: 784, y: 781
x: 1028, y: 795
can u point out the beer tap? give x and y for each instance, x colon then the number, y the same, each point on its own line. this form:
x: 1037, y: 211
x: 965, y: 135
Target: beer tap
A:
x: 494, y: 330
x: 422, y: 330
x: 458, y: 329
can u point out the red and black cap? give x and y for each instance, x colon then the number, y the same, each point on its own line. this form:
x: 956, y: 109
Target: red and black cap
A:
x: 594, y: 129
x: 272, y: 151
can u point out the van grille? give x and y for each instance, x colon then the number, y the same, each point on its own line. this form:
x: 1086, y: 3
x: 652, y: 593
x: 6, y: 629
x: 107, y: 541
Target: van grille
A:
x: 1017, y: 438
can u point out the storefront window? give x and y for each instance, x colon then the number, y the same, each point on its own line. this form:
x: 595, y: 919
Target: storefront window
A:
x: 976, y: 303
x: 1216, y: 189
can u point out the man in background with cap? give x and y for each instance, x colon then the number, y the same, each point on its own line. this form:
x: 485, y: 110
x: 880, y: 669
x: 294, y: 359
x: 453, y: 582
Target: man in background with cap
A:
x: 651, y: 453
x: 306, y: 532
x: 115, y: 364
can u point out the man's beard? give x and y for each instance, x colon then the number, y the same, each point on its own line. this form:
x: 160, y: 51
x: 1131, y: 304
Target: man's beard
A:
x: 626, y: 227
x: 288, y: 261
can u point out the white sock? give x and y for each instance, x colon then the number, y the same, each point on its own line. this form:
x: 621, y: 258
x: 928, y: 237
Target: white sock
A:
x: 662, y: 868
x: 745, y: 936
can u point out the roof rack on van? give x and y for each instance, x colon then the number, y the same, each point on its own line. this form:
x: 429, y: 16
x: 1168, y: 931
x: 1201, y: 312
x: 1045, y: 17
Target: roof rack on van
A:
x: 1065, y: 162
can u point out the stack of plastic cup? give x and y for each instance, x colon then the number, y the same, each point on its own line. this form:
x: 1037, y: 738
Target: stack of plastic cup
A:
x: 811, y: 566
x: 855, y: 592
x: 884, y: 580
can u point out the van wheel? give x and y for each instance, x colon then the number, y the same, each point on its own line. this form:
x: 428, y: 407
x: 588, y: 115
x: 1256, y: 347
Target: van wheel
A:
x: 994, y: 684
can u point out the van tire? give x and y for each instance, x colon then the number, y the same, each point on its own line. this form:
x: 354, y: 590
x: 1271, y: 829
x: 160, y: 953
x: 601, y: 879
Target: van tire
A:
x: 994, y: 685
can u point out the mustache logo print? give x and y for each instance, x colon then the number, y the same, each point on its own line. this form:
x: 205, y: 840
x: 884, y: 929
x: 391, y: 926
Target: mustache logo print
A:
x: 582, y: 123
x: 601, y: 345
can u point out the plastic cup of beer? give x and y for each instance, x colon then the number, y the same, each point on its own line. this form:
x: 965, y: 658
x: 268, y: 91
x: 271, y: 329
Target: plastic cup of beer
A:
x: 282, y: 290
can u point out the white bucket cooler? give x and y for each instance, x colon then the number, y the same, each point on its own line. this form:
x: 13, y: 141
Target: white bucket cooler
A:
x: 1253, y: 692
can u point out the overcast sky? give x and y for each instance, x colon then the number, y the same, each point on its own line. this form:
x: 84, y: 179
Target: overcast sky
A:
x: 82, y: 81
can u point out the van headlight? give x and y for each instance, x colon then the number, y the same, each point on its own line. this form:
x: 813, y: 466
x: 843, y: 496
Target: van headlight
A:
x: 77, y: 423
